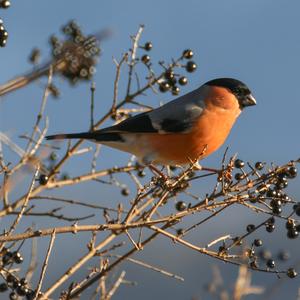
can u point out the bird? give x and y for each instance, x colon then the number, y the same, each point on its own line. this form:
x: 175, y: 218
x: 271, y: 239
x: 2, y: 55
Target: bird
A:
x: 186, y: 129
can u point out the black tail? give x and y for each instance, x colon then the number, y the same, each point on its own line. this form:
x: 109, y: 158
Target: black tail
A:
x: 96, y: 136
x: 82, y: 135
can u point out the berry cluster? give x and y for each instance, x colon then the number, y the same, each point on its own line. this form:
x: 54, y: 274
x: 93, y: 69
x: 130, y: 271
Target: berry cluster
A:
x: 263, y: 190
x: 3, y: 32
x: 76, y: 55
x: 267, y: 190
x: 292, y: 228
x: 269, y: 187
x: 266, y: 256
x: 18, y: 287
x: 170, y: 80
x: 255, y: 258
x: 9, y: 257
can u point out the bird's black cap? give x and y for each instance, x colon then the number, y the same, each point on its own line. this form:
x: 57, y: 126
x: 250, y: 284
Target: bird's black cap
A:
x: 237, y: 87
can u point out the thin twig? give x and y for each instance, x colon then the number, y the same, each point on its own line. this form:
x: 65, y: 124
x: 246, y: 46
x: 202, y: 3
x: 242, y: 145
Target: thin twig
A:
x: 221, y: 238
x: 42, y: 108
x: 73, y: 202
x: 45, y: 265
x: 116, y: 82
x: 26, y: 200
x: 151, y: 267
x: 132, y: 62
x: 79, y: 228
x: 33, y: 262
x: 115, y: 286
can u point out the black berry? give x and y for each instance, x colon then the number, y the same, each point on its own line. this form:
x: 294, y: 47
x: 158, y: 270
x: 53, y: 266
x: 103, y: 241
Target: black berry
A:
x: 182, y: 80
x: 179, y: 231
x: 270, y: 227
x: 53, y: 156
x: 282, y: 183
x: 277, y: 210
x: 125, y: 192
x: 258, y: 242
x: 43, y: 180
x: 6, y: 259
x: 172, y: 81
x: 290, y: 224
x: 5, y: 4
x: 30, y: 295
x: 259, y: 165
x: 169, y: 74
x: 175, y: 90
x: 180, y: 206
x: 10, y: 278
x: 270, y: 263
x: 2, y: 41
x: 239, y: 176
x: 297, y: 209
x: 237, y: 241
x: 145, y: 59
x: 291, y: 172
x: 17, y: 257
x: 23, y: 281
x: 238, y: 163
x: 3, y: 36
x: 291, y: 273
x: 22, y: 291
x: 271, y: 193
x: 250, y: 228
x: 222, y: 250
x: 164, y: 86
x: 141, y: 173
x: 3, y: 287
x: 292, y: 233
x: 13, y: 296
x: 271, y: 220
x: 148, y: 46
x: 188, y: 54
x: 191, y: 67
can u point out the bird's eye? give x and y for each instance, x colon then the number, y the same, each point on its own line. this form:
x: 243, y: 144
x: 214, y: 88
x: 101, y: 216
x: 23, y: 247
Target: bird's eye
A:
x: 241, y: 92
x: 238, y: 91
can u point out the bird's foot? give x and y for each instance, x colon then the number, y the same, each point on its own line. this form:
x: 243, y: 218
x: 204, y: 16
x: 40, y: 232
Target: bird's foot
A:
x: 197, y: 167
x: 158, y: 172
x: 163, y: 179
x: 222, y: 173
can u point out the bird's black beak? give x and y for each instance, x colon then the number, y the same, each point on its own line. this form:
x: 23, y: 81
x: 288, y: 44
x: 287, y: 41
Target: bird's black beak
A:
x: 248, y: 101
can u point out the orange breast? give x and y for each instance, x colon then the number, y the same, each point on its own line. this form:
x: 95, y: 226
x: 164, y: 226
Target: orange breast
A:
x: 209, y: 132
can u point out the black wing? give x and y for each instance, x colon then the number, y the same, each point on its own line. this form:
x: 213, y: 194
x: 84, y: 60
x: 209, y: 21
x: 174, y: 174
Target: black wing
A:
x: 174, y: 117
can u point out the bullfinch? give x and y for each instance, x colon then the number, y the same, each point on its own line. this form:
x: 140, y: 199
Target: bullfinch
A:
x: 179, y: 131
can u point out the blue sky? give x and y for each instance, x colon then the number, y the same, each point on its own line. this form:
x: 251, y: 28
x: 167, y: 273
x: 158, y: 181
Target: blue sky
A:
x: 256, y: 41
